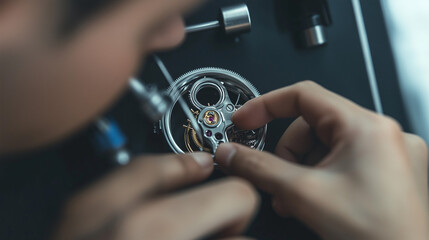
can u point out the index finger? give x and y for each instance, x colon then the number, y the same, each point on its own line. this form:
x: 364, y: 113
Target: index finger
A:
x: 129, y: 185
x: 323, y: 110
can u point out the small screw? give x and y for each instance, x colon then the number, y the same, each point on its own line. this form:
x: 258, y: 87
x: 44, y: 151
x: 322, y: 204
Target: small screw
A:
x: 230, y: 108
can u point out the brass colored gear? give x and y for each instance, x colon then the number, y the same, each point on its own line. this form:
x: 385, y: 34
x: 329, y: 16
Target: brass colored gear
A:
x: 191, y: 134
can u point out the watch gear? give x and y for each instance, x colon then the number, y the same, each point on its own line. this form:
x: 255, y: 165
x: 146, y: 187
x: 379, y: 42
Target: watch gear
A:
x: 214, y: 95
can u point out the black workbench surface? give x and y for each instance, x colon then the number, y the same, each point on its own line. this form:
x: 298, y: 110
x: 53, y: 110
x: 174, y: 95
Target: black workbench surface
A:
x: 34, y: 187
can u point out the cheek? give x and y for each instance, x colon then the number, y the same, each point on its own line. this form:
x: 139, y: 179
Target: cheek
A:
x: 59, y: 89
x: 93, y: 75
x: 61, y: 92
x: 100, y: 64
x: 56, y: 90
x: 105, y: 56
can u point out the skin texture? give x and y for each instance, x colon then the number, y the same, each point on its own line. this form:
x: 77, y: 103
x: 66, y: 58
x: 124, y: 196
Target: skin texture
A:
x: 341, y: 169
x: 51, y: 87
x: 136, y: 202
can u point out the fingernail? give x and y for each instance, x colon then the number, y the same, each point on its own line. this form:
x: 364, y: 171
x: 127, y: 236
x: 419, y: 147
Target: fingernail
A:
x: 224, y: 154
x: 203, y: 159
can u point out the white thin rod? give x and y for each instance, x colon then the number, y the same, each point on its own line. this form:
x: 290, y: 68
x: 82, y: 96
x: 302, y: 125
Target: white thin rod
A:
x: 203, y: 27
x: 182, y: 102
x: 357, y: 7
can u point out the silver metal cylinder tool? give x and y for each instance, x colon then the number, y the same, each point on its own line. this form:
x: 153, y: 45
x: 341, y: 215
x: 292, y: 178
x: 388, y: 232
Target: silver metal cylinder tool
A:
x: 314, y: 34
x: 233, y: 20
x: 155, y: 103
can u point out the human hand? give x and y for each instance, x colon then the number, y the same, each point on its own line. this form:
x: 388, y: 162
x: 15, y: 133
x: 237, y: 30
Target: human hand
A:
x: 369, y: 180
x: 137, y: 202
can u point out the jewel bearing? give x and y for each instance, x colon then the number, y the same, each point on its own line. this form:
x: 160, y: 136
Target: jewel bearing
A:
x: 214, y: 95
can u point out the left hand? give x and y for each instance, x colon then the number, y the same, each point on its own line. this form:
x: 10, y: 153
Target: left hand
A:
x: 141, y: 201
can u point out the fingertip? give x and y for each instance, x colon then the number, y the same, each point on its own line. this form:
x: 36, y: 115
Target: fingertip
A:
x: 204, y: 160
x: 204, y: 163
x: 224, y: 154
x: 251, y: 115
x: 240, y: 118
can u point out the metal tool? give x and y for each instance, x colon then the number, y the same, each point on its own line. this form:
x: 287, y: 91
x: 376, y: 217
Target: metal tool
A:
x: 174, y: 92
x: 155, y: 103
x: 233, y: 20
x: 309, y: 18
x: 313, y: 32
x: 357, y: 8
x: 110, y: 142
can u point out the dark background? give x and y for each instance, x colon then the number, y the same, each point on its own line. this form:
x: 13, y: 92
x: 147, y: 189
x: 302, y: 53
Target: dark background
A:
x: 34, y: 186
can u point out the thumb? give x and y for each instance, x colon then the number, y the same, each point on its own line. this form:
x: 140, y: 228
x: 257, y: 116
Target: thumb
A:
x: 266, y: 171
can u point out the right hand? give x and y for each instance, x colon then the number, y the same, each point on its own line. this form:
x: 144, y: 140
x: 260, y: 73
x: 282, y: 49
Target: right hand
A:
x: 138, y: 202
x: 370, y: 179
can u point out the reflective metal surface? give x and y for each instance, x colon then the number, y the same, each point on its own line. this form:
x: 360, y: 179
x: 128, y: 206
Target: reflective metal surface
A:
x: 213, y: 111
x: 314, y: 36
x: 203, y: 27
x: 236, y: 19
x: 154, y: 102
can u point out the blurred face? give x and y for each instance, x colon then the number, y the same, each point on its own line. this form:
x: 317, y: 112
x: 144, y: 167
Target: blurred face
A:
x: 52, y: 83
